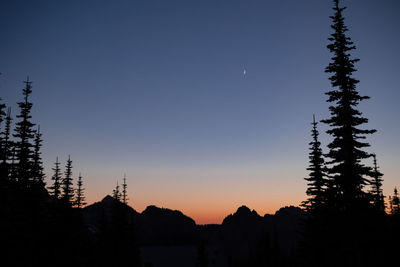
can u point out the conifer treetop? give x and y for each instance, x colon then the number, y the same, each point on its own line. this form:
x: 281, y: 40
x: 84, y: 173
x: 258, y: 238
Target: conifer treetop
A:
x: 346, y: 151
x: 67, y: 186
x: 316, y: 179
x: 24, y: 133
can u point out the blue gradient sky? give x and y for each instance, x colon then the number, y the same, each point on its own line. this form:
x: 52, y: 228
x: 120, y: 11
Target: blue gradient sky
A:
x: 155, y: 89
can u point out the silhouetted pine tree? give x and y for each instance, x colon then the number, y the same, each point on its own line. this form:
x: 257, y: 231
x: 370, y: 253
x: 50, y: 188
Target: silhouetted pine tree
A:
x: 2, y: 117
x: 6, y: 147
x: 124, y: 192
x: 37, y: 168
x: 345, y: 151
x: 24, y: 133
x: 395, y: 203
x: 117, y: 193
x: 80, y: 197
x: 56, y: 178
x: 3, y: 176
x: 376, y: 190
x: 67, y: 190
x: 2, y: 112
x: 316, y: 180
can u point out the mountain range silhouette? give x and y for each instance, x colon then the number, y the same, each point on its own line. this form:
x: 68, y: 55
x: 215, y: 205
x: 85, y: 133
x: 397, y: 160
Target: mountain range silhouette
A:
x: 160, y: 231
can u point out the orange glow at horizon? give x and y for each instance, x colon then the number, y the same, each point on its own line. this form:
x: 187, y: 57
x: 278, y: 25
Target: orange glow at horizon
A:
x: 210, y: 210
x: 209, y: 196
x: 214, y: 215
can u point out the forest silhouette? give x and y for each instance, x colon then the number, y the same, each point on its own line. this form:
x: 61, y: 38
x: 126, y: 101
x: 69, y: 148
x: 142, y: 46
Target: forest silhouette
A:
x: 345, y: 219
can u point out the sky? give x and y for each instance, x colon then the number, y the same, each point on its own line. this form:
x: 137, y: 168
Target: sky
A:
x: 155, y: 89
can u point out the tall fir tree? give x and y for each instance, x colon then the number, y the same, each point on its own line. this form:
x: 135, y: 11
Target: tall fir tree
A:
x: 2, y: 118
x: 3, y: 176
x: 37, y: 168
x: 117, y: 193
x: 2, y: 112
x: 124, y: 191
x: 80, y: 197
x: 316, y: 179
x: 55, y: 188
x: 346, y: 152
x: 24, y: 134
x: 6, y: 148
x: 378, y: 199
x: 67, y: 186
x: 395, y: 203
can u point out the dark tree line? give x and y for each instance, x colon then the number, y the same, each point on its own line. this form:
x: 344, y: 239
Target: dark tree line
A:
x: 62, y: 187
x: 44, y: 226
x: 21, y: 162
x: 31, y: 215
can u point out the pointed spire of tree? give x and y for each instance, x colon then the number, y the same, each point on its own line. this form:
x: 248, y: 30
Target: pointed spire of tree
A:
x: 80, y: 198
x: 67, y: 190
x: 316, y: 180
x: 348, y: 172
x: 124, y: 192
x: 117, y: 193
x: 37, y: 171
x: 376, y: 190
x: 56, y: 178
x: 24, y: 133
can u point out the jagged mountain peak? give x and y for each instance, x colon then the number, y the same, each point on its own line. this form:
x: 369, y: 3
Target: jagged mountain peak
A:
x: 242, y: 215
